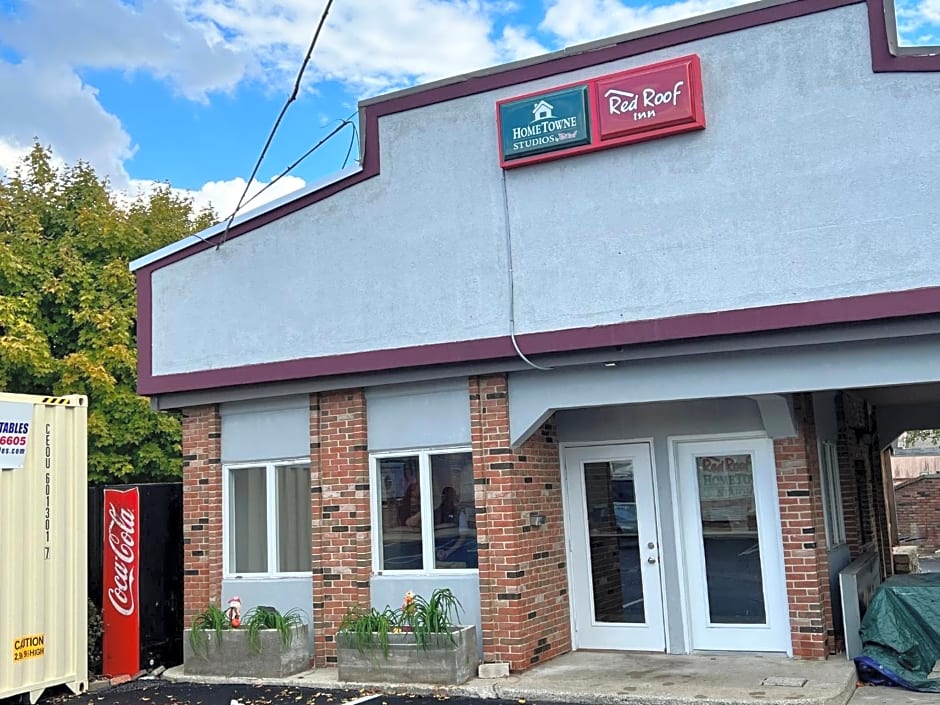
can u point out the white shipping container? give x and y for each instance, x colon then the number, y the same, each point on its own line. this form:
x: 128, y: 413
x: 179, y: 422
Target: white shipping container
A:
x: 43, y: 544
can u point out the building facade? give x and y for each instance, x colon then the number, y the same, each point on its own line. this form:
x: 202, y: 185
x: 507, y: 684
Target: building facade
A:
x: 608, y: 342
x: 918, y: 510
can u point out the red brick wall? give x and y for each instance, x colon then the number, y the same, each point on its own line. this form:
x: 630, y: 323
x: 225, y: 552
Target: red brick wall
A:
x: 202, y: 509
x: 523, y: 575
x: 804, y: 535
x: 918, y: 509
x: 863, y: 495
x: 342, y: 534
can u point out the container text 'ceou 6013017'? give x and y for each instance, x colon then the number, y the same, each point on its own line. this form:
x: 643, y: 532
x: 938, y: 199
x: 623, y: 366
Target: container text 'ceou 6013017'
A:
x: 43, y: 544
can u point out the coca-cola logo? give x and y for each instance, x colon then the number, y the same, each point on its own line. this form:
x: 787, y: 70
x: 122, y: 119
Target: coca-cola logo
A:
x: 121, y: 530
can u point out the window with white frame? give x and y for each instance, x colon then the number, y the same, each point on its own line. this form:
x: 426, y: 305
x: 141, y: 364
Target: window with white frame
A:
x: 268, y: 518
x: 423, y: 511
x: 832, y: 494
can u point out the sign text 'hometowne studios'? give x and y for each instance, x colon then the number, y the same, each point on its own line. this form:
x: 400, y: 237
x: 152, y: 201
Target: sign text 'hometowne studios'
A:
x: 631, y: 106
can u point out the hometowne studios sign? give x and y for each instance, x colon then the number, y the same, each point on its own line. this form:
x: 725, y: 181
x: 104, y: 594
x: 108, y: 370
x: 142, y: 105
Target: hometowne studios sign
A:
x: 630, y: 106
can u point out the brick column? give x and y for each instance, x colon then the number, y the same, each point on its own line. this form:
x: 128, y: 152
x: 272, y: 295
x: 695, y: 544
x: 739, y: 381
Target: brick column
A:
x: 804, y: 535
x: 342, y: 557
x: 316, y: 535
x: 202, y: 509
x: 523, y: 574
x: 863, y: 494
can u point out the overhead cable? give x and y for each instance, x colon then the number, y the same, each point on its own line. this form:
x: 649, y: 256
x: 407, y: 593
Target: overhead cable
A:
x: 277, y: 123
x: 343, y: 123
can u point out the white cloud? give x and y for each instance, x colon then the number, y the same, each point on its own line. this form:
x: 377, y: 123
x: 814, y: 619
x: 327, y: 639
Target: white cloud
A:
x: 53, y: 105
x: 204, y: 46
x: 155, y: 36
x: 517, y: 44
x: 918, y: 22
x: 11, y: 154
x: 930, y: 11
x: 222, y: 196
x: 576, y: 21
x: 368, y: 46
x: 57, y: 39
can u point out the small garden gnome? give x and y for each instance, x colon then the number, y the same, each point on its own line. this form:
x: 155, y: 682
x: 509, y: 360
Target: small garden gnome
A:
x: 234, y: 612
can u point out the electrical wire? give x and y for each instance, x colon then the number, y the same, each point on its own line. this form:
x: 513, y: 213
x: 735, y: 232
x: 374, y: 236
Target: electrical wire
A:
x: 507, y: 229
x: 353, y: 139
x: 314, y: 148
x: 277, y: 123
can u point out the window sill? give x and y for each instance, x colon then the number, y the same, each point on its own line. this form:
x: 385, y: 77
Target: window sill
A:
x: 266, y: 576
x: 427, y: 573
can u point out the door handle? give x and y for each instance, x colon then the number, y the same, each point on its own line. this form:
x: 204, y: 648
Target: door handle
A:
x: 650, y: 560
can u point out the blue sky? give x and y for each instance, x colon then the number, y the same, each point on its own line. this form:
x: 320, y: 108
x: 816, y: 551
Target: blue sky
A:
x: 185, y: 91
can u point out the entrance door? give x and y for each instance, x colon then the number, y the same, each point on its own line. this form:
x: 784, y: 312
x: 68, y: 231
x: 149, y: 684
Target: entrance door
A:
x: 733, y: 552
x: 616, y: 595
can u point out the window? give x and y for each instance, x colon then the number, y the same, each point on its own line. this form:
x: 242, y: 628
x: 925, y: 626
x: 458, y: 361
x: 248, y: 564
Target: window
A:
x: 832, y: 494
x: 268, y: 518
x: 423, y: 511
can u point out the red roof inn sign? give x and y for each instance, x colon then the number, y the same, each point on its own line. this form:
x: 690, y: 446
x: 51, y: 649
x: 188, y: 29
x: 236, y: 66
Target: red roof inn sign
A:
x: 631, y: 106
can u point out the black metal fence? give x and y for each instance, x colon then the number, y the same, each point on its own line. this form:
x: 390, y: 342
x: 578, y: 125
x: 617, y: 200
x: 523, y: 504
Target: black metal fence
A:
x: 161, y: 568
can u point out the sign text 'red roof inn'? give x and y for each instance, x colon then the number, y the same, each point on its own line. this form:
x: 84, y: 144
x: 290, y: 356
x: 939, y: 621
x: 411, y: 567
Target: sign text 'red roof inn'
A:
x: 630, y: 106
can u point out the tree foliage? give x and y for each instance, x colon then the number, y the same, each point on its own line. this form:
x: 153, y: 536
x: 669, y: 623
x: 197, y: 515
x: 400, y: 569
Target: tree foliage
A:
x: 68, y: 305
x: 920, y: 438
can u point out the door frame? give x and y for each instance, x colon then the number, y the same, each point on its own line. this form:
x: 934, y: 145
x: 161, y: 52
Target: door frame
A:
x: 649, y: 442
x: 681, y: 549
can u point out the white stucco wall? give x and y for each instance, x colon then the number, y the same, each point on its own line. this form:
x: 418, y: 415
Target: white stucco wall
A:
x: 814, y: 179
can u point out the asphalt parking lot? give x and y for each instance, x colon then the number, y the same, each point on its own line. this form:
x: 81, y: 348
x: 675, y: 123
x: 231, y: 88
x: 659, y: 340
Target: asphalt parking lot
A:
x: 166, y: 693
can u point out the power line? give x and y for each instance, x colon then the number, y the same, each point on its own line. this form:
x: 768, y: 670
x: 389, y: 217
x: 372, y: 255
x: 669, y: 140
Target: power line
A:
x: 277, y: 123
x: 343, y: 123
x: 353, y: 139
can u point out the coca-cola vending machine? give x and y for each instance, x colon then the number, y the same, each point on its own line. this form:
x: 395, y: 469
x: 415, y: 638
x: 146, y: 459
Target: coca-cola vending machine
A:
x: 136, y: 570
x: 120, y: 608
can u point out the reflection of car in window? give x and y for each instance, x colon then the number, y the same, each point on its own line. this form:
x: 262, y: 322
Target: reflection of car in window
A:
x: 624, y: 503
x: 625, y: 514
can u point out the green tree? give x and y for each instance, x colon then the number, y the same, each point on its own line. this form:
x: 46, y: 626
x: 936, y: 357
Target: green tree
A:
x: 68, y: 305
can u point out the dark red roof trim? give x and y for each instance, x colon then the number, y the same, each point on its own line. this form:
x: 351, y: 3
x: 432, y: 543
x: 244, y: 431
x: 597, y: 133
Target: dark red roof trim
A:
x: 763, y: 318
x: 882, y: 61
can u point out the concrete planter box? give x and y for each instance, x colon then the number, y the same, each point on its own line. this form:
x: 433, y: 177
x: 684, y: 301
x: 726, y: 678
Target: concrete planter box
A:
x: 441, y: 662
x: 234, y: 657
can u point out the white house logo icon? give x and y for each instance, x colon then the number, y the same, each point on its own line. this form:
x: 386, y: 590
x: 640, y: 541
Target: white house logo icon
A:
x: 542, y: 111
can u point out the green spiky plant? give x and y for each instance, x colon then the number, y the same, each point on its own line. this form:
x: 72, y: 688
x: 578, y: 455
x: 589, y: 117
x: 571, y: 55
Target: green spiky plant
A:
x: 262, y: 617
x: 213, y: 618
x: 370, y: 628
x: 436, y: 615
x: 424, y: 618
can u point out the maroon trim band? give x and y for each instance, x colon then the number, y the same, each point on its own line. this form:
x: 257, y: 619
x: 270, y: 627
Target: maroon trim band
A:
x: 752, y: 320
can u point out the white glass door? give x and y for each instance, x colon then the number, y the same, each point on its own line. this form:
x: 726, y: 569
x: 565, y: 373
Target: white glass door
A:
x: 732, y: 547
x: 616, y: 595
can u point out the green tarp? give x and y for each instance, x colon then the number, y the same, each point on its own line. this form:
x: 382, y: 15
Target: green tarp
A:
x: 901, y: 632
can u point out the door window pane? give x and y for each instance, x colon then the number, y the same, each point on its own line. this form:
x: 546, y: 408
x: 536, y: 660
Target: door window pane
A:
x: 729, y: 534
x: 249, y: 547
x: 614, y: 545
x: 455, y: 534
x: 293, y: 518
x: 401, y: 513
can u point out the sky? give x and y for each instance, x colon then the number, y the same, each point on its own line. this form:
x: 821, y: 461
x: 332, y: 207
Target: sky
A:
x: 185, y: 91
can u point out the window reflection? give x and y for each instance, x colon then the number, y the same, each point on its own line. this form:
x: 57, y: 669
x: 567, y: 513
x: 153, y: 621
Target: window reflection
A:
x: 453, y: 525
x: 731, y: 545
